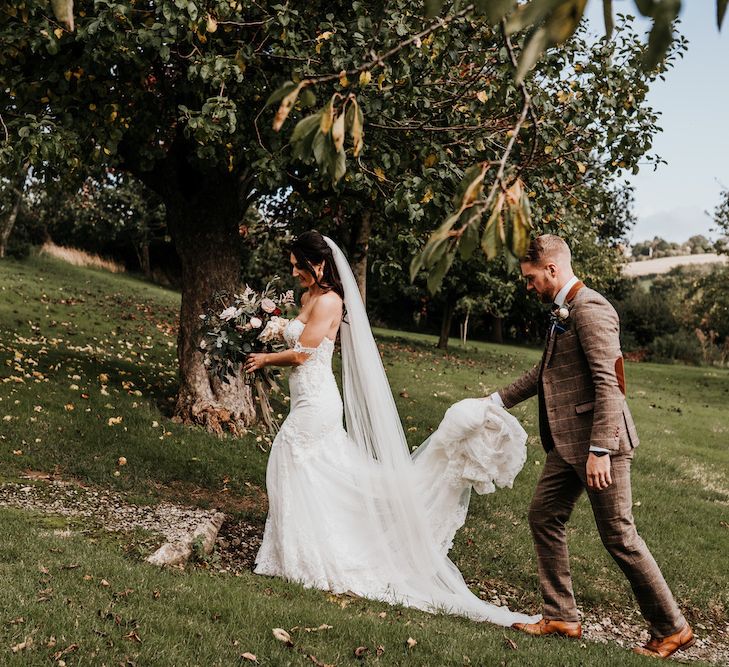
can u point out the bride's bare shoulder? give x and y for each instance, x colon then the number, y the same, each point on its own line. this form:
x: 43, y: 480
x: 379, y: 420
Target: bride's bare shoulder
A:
x: 329, y: 303
x: 331, y: 299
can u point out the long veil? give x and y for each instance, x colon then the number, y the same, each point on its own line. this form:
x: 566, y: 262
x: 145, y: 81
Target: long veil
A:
x: 420, y: 574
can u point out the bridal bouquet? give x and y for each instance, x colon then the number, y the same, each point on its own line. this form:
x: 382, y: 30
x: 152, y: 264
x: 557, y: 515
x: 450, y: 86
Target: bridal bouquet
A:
x: 241, y: 324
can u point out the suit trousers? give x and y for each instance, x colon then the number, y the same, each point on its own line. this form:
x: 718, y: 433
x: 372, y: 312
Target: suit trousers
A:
x: 558, y: 489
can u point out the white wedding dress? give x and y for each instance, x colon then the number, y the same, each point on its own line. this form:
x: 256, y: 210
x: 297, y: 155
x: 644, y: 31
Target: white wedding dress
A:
x: 351, y: 518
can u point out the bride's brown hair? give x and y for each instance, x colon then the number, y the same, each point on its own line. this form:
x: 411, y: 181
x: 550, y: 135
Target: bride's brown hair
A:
x: 310, y: 248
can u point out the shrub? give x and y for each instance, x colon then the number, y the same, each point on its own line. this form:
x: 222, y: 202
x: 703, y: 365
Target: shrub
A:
x: 644, y: 317
x: 679, y: 346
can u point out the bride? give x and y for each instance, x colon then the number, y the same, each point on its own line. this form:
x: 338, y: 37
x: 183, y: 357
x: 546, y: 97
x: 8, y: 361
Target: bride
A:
x: 351, y: 511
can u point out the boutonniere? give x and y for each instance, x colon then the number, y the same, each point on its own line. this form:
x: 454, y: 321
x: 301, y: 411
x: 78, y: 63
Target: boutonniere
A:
x: 560, y: 318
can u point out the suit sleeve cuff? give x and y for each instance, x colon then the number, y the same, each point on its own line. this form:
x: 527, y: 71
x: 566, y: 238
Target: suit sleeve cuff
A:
x: 496, y: 398
x: 599, y: 449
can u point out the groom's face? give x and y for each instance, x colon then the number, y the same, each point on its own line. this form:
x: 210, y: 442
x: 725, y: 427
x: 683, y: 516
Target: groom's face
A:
x: 542, y: 279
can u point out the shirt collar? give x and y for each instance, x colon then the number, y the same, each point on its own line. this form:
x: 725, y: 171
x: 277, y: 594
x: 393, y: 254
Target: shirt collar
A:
x: 562, y: 294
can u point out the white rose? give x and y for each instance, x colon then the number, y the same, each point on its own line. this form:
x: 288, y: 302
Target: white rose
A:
x: 229, y: 313
x: 268, y: 305
x: 255, y: 322
x: 273, y: 330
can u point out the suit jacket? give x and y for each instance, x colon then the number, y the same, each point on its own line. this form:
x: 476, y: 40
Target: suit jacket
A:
x: 580, y: 382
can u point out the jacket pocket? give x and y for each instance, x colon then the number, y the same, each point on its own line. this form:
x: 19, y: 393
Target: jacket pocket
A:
x: 581, y: 408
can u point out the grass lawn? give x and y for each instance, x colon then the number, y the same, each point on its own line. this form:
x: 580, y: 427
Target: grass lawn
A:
x: 80, y: 349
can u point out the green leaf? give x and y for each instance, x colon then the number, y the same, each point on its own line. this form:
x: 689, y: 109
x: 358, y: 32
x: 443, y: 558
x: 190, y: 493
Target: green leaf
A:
x: 337, y: 163
x: 441, y: 268
x: 532, y: 51
x: 559, y: 27
x: 433, y: 7
x: 302, y: 138
x: 494, y: 10
x: 415, y: 265
x: 469, y: 239
x: 645, y: 7
x: 305, y: 126
x: 520, y: 228
x: 307, y: 98
x: 530, y: 14
x: 663, y: 13
x: 278, y: 94
x: 491, y: 239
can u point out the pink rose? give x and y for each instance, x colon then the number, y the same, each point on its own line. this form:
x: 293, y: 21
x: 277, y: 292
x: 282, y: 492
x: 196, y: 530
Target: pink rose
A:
x: 268, y: 305
x: 255, y: 322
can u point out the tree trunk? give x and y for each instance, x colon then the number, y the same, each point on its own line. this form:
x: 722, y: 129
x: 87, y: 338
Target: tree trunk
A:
x: 445, y: 328
x: 496, y: 333
x: 464, y: 329
x: 6, y: 226
x: 203, y: 213
x: 358, y: 252
x: 142, y: 250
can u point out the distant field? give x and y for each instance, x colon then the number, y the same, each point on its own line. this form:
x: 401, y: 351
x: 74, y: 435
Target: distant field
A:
x: 650, y: 267
x: 88, y: 374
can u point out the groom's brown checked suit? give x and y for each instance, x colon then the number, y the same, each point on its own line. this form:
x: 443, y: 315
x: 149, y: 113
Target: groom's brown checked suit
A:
x: 581, y: 388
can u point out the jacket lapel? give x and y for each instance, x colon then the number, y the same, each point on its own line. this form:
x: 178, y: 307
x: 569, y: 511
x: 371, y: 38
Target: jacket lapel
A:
x: 552, y: 336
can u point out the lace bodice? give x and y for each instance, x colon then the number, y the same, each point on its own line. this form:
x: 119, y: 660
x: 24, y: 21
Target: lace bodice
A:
x: 320, y: 355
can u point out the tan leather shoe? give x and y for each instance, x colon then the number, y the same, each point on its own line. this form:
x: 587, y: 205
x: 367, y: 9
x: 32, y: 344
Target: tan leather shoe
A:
x: 667, y: 646
x: 549, y: 627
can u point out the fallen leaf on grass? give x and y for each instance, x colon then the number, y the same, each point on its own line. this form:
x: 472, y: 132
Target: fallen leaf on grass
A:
x: 23, y: 645
x: 43, y: 569
x: 282, y: 636
x: 318, y: 662
x: 379, y: 650
x: 45, y: 595
x: 323, y: 626
x: 122, y: 461
x: 16, y: 621
x: 411, y: 642
x: 69, y: 649
x: 123, y: 594
x: 115, y: 420
x: 104, y: 583
x: 510, y: 643
x: 249, y: 656
x: 133, y: 637
x: 360, y: 651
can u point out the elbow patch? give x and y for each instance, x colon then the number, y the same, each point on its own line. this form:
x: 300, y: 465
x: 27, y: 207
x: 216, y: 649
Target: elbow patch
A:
x: 620, y: 373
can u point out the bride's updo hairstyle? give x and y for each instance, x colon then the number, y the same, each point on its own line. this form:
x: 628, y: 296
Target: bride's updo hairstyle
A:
x: 310, y: 248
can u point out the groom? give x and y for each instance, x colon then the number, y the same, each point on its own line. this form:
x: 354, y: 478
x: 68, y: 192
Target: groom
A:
x: 589, y: 436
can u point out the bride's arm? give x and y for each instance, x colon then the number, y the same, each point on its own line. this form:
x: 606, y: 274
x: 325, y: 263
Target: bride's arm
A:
x: 326, y: 310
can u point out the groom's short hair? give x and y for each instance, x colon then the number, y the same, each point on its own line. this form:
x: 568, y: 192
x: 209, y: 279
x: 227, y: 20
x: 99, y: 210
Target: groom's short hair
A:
x: 547, y: 247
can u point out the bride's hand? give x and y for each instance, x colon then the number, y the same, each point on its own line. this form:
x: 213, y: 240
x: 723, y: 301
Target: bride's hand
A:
x: 255, y: 362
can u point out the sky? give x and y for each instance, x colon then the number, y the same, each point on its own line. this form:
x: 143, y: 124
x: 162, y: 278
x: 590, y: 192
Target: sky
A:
x: 694, y: 104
